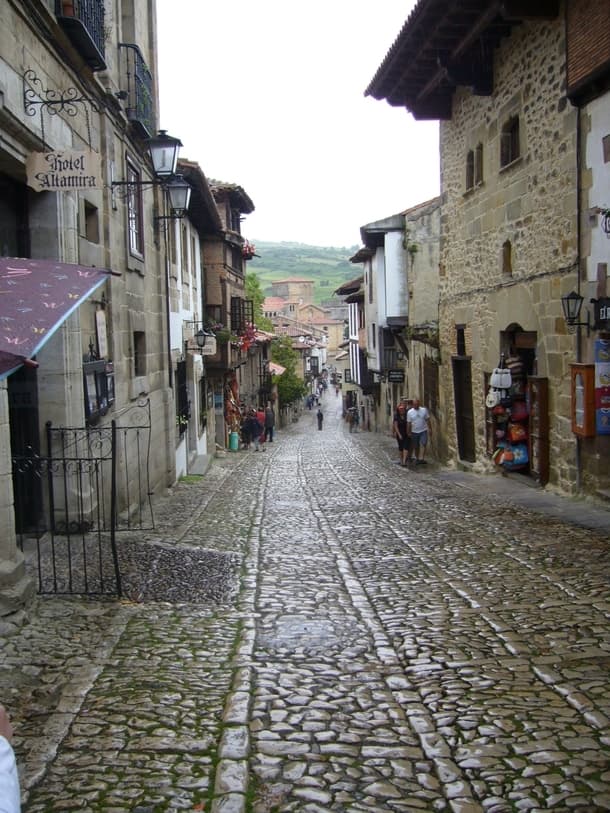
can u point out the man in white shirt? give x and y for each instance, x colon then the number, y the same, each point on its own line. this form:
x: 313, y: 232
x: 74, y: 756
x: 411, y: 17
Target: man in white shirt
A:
x: 9, y: 779
x: 418, y: 423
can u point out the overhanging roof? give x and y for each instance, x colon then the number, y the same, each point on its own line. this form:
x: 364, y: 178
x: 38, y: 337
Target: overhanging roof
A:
x: 443, y: 45
x: 236, y: 194
x: 36, y: 298
x: 350, y: 287
x: 202, y: 209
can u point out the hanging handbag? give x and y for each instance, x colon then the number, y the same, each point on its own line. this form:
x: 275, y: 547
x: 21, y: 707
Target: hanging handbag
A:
x: 516, y: 432
x: 520, y: 457
x: 493, y: 398
x: 500, y: 379
x: 519, y: 411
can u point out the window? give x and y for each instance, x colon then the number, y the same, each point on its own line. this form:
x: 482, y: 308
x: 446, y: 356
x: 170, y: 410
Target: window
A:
x: 134, y: 211
x: 183, y: 412
x: 478, y: 165
x: 92, y: 223
x: 507, y: 258
x: 98, y: 385
x: 214, y: 314
x: 242, y: 314
x: 509, y: 142
x: 139, y: 353
x: 236, y: 258
x: 235, y: 216
x: 470, y: 169
x: 184, y: 253
x: 460, y: 340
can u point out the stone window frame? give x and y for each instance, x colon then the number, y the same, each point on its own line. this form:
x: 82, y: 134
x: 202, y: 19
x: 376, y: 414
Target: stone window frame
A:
x: 510, y: 141
x: 135, y: 210
x: 474, y: 168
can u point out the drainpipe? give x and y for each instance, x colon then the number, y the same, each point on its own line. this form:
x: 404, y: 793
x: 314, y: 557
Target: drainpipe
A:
x: 578, y: 459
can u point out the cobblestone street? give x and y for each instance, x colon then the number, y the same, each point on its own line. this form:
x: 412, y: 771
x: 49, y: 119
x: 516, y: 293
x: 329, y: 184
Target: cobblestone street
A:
x: 314, y: 628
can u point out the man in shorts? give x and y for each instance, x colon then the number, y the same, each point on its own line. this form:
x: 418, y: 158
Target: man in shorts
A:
x: 418, y: 422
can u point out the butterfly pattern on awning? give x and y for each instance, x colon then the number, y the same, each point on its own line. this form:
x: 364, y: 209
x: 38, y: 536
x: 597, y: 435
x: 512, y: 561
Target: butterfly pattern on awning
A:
x: 36, y: 298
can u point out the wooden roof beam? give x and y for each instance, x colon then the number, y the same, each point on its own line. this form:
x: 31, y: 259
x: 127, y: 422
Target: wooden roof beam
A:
x: 528, y: 10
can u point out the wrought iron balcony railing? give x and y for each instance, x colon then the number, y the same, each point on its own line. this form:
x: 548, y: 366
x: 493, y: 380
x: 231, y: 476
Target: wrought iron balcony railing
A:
x: 138, y: 89
x: 83, y: 23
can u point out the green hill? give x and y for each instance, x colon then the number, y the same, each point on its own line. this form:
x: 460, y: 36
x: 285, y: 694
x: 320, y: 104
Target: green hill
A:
x: 327, y: 267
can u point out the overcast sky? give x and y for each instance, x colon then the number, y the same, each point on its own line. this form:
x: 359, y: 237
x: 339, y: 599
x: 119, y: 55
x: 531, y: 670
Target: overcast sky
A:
x: 269, y: 94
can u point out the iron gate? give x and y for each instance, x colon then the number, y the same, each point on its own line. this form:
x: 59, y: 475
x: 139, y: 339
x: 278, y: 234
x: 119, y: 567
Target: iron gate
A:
x: 92, y: 483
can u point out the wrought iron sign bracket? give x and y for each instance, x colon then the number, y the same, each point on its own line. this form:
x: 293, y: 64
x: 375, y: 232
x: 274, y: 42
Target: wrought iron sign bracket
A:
x: 37, y: 97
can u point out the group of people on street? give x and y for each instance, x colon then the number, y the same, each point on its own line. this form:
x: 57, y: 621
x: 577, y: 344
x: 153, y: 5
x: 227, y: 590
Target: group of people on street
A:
x: 257, y: 427
x: 411, y: 428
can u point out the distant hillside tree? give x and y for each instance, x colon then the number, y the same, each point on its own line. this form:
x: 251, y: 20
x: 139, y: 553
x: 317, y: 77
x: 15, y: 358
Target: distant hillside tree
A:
x: 255, y: 293
x: 290, y: 387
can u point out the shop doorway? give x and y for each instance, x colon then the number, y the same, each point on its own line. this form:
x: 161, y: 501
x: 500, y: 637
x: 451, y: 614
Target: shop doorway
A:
x: 25, y: 441
x: 521, y: 425
x: 464, y: 412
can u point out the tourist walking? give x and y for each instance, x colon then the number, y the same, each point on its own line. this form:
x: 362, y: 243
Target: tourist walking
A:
x: 260, y: 417
x: 418, y: 420
x: 254, y: 430
x: 269, y: 423
x: 320, y: 417
x: 401, y: 433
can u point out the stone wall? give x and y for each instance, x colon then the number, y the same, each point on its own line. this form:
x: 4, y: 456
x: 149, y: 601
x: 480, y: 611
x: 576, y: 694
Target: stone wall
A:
x: 509, y: 243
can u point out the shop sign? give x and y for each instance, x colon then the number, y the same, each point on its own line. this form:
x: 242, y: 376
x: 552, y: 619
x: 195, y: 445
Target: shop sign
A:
x: 396, y: 376
x: 602, y: 313
x: 602, y: 386
x: 209, y: 348
x: 65, y: 171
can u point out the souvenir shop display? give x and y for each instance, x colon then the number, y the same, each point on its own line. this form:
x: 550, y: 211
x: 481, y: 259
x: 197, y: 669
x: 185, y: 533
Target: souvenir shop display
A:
x: 506, y: 398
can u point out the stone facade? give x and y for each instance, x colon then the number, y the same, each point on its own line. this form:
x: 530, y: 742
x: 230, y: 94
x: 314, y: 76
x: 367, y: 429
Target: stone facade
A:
x: 294, y: 289
x: 509, y: 247
x: 97, y: 226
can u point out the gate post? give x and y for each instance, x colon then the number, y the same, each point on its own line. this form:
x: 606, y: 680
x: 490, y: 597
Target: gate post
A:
x: 113, y: 510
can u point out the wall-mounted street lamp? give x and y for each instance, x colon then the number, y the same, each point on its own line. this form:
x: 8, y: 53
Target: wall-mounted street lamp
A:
x: 177, y: 197
x: 163, y: 150
x: 571, y: 304
x: 200, y: 335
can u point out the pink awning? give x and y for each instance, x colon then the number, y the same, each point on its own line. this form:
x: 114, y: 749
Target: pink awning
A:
x: 36, y: 298
x: 276, y: 369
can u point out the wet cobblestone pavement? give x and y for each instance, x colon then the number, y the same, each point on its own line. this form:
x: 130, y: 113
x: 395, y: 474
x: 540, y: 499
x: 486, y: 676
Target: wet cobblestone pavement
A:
x: 316, y: 629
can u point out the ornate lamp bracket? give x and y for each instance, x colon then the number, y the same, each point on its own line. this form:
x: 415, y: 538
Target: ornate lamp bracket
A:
x: 37, y: 97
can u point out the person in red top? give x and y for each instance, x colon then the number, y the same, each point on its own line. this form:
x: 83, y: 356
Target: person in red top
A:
x: 260, y: 417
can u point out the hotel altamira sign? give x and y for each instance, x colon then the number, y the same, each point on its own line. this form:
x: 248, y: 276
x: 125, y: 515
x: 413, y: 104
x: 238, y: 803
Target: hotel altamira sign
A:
x: 65, y: 171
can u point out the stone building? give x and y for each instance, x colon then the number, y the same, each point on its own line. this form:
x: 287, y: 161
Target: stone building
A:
x: 514, y: 236
x: 190, y: 340
x: 238, y: 370
x: 294, y: 289
x: 422, y: 360
x: 588, y: 88
x: 79, y: 193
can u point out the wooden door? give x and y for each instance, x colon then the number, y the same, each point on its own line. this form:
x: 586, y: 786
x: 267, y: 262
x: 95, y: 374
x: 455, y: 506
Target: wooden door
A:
x: 538, y: 397
x: 464, y: 413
